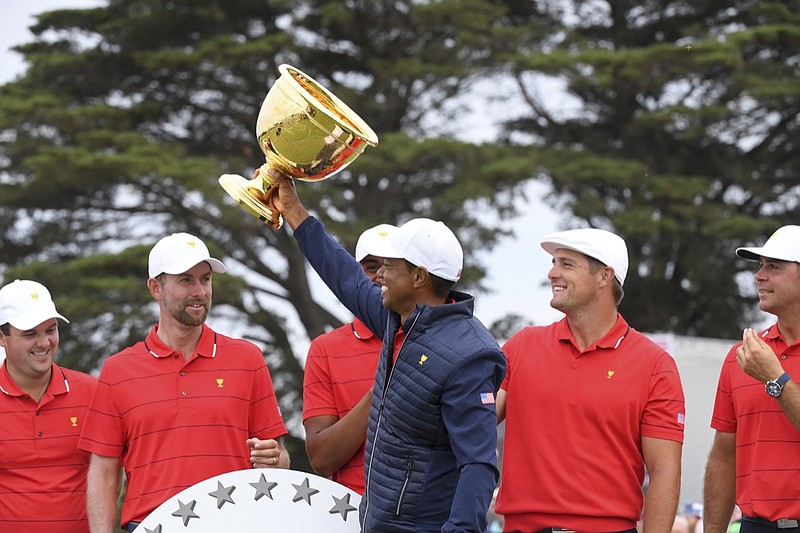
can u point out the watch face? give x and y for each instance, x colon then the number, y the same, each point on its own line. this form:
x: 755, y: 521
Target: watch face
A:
x: 773, y: 389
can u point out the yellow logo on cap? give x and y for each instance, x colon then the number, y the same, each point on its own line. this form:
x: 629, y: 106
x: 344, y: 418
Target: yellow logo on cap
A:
x: 192, y: 243
x: 74, y: 421
x: 383, y: 233
x: 220, y: 383
x: 35, y: 296
x: 610, y: 373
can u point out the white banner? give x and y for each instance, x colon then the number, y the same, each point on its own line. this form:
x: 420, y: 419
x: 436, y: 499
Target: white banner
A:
x: 258, y: 500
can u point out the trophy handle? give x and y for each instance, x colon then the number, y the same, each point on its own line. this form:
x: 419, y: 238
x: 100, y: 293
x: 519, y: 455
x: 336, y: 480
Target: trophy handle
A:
x: 255, y: 195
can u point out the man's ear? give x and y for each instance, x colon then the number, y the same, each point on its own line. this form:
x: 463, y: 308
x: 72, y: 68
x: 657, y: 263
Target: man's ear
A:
x: 607, y: 277
x: 155, y: 288
x: 420, y: 277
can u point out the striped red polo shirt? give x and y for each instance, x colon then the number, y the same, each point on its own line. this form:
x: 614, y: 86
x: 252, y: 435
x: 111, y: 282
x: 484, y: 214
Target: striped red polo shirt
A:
x: 575, y: 419
x: 340, y: 369
x: 767, y: 444
x: 174, y: 423
x: 42, y: 472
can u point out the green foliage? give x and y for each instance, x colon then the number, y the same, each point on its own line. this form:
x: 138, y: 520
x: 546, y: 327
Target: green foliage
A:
x: 681, y: 140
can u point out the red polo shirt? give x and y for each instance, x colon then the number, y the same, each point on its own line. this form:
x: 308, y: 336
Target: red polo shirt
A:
x: 575, y: 419
x: 767, y: 444
x: 175, y: 423
x: 42, y: 472
x: 340, y: 369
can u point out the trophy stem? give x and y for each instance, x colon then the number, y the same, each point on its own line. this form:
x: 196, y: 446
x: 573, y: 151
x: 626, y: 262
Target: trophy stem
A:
x: 254, y: 195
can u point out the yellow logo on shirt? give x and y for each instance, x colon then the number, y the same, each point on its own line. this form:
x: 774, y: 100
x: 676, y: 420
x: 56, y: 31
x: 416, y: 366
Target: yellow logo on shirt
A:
x: 610, y: 373
x: 220, y: 382
x: 74, y: 420
x: 423, y: 358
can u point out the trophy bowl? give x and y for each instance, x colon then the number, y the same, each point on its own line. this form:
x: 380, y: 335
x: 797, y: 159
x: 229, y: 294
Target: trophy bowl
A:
x: 306, y: 133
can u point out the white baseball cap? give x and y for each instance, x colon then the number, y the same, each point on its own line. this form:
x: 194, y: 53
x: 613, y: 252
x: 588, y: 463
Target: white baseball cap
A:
x: 783, y: 245
x: 25, y: 304
x: 370, y: 240
x: 179, y: 252
x: 425, y: 243
x: 599, y: 244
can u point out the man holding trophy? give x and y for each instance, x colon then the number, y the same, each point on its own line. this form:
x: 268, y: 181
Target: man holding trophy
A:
x: 430, y: 462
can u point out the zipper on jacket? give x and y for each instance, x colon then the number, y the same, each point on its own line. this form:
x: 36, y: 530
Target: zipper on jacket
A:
x: 409, y: 468
x: 378, y: 424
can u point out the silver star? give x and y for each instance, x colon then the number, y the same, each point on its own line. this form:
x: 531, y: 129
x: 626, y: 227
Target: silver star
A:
x: 223, y: 494
x: 263, y: 488
x: 304, y: 492
x: 156, y: 530
x: 186, y: 511
x: 342, y: 506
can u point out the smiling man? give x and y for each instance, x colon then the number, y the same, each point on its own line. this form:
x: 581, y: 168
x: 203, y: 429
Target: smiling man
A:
x: 589, y: 403
x: 755, y: 458
x: 42, y: 410
x: 431, y: 438
x: 184, y: 405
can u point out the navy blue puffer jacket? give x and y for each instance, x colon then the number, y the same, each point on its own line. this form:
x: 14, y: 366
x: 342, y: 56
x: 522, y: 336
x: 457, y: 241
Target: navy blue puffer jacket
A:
x: 431, y: 443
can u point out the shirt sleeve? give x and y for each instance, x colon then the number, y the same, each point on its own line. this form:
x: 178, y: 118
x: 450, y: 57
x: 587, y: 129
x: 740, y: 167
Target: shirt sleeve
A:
x: 509, y: 349
x: 470, y: 416
x: 342, y: 274
x: 723, y: 417
x: 318, y: 397
x: 665, y: 411
x: 103, y: 431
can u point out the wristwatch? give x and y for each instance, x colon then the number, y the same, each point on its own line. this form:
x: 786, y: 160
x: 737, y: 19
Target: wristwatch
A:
x: 775, y: 386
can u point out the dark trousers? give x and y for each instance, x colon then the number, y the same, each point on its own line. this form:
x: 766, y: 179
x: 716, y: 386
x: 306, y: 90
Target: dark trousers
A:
x: 758, y: 525
x: 131, y: 526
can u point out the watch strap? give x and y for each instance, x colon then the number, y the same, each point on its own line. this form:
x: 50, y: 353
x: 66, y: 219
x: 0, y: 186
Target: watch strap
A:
x: 774, y: 387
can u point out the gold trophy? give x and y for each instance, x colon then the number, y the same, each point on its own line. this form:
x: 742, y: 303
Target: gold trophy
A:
x: 305, y: 132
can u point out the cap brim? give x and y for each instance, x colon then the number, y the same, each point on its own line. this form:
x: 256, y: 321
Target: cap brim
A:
x: 366, y: 255
x: 551, y: 245
x: 384, y: 248
x: 31, y: 320
x: 755, y: 254
x: 216, y: 265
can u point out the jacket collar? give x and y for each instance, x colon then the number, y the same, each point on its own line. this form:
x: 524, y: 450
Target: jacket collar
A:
x: 459, y: 303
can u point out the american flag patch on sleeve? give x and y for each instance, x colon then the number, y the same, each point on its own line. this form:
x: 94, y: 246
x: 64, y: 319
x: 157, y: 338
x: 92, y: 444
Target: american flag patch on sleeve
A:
x: 487, y: 397
x: 681, y: 418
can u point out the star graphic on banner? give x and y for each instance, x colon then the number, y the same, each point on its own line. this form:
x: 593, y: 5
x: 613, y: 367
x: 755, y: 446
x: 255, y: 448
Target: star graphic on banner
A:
x: 186, y: 511
x: 263, y: 488
x: 304, y: 492
x: 223, y: 494
x: 248, y: 511
x: 342, y: 506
